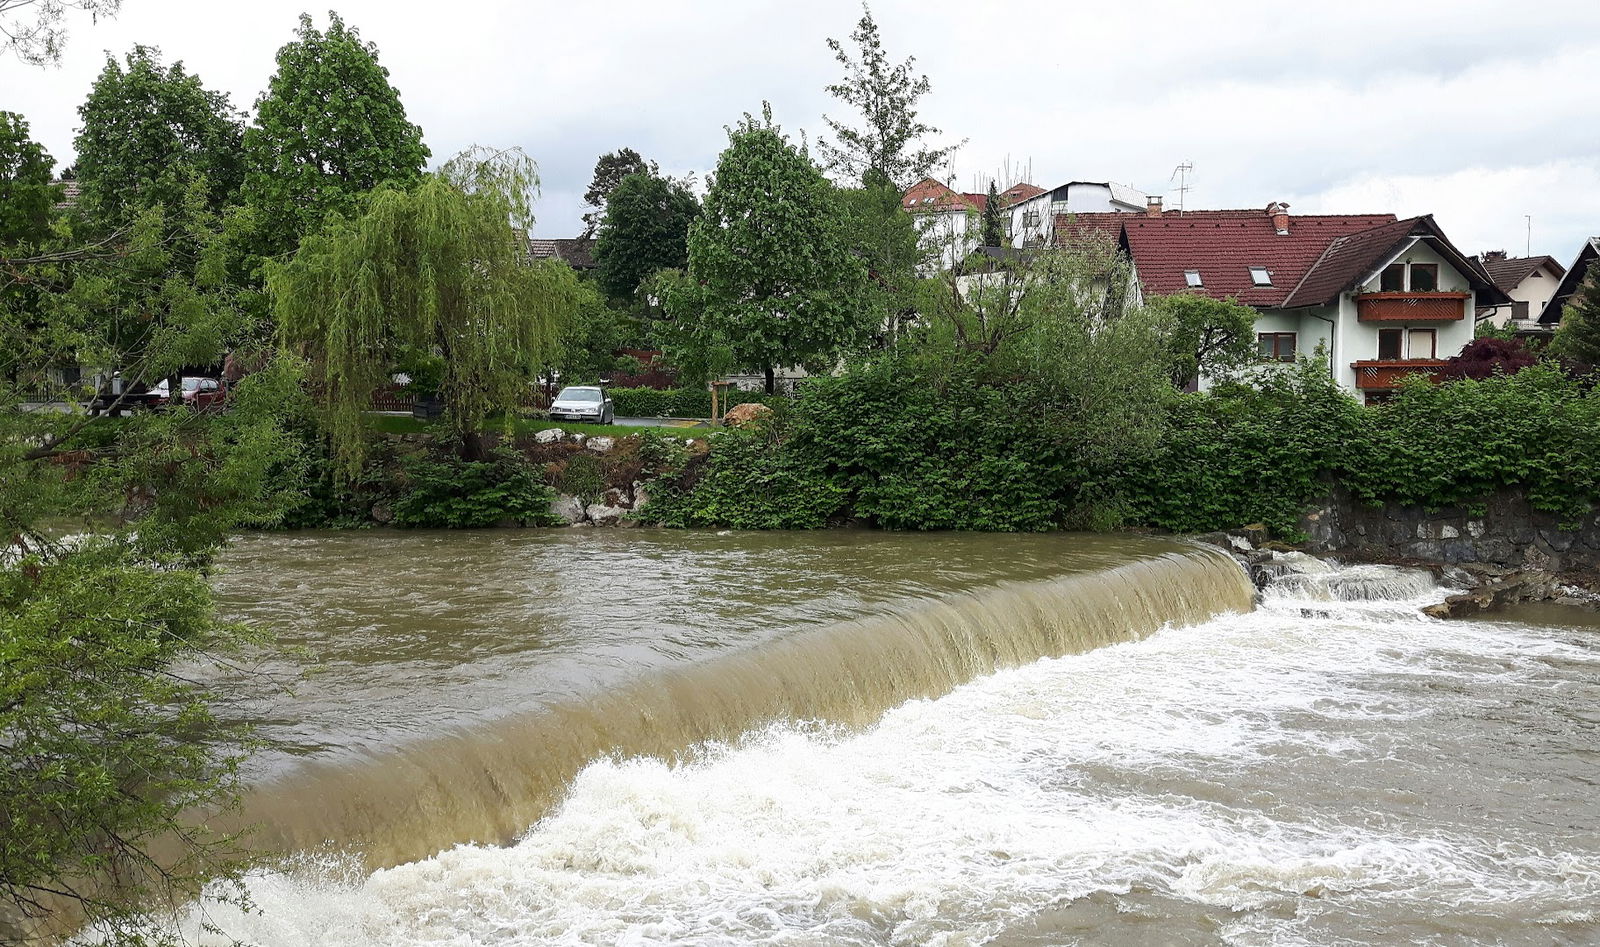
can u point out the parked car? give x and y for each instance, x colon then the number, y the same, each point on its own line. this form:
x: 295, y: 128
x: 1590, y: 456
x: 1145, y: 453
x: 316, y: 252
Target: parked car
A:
x: 118, y: 395
x: 583, y: 403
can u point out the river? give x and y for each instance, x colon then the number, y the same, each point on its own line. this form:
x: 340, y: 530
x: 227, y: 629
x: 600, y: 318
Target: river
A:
x: 639, y: 737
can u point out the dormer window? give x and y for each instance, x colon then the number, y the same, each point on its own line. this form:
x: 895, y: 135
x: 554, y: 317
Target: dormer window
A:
x: 1260, y: 276
x: 1192, y: 277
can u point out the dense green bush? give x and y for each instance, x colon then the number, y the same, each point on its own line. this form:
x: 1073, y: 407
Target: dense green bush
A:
x: 449, y: 493
x: 582, y: 476
x: 751, y: 480
x: 676, y: 402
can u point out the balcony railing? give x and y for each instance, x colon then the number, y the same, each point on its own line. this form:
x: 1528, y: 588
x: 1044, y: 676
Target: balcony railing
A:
x: 1412, y: 307
x: 1385, y: 374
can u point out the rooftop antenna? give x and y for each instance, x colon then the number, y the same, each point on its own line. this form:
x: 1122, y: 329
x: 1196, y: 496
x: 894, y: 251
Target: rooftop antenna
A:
x: 1181, y: 174
x: 1529, y: 250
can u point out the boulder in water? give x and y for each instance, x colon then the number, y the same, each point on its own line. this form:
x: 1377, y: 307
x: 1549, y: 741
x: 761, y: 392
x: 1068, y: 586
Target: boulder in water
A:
x: 567, y: 509
x: 602, y: 515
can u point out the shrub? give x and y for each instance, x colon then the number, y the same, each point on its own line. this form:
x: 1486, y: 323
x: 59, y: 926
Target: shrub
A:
x: 448, y: 493
x: 582, y: 476
x: 750, y: 480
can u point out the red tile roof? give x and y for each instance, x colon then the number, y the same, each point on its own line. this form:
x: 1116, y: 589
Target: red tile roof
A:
x: 929, y: 195
x: 1222, y: 246
x: 1020, y: 192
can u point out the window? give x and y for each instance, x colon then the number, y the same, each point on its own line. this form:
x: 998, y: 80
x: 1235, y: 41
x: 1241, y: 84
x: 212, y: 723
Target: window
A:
x: 1393, y: 279
x: 1424, y: 277
x: 1259, y: 276
x: 1276, y: 346
x: 1192, y: 277
x: 1519, y: 311
x: 1423, y: 343
x: 1389, y: 342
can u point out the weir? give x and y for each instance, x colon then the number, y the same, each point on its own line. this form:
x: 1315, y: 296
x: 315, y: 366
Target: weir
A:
x: 491, y: 782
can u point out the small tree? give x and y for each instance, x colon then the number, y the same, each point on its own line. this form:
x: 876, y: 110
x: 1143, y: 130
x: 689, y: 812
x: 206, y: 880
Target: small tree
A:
x: 328, y: 129
x: 1484, y: 357
x: 147, y: 130
x: 1206, y: 336
x: 34, y: 31
x: 994, y: 227
x: 886, y: 95
x: 438, y: 268
x: 771, y: 276
x: 609, y: 170
x: 26, y: 194
x: 1578, y: 336
x: 645, y: 229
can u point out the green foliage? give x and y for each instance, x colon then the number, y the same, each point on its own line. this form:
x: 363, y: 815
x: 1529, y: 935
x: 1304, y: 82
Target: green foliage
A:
x: 886, y: 95
x: 678, y: 402
x: 328, y: 129
x: 582, y: 476
x: 1578, y: 335
x: 450, y: 493
x: 994, y: 227
x: 609, y: 170
x: 885, y: 237
x: 750, y: 481
x: 432, y: 269
x: 148, y: 131
x: 1211, y: 337
x: 27, y: 197
x: 590, y: 338
x: 771, y: 277
x: 645, y: 229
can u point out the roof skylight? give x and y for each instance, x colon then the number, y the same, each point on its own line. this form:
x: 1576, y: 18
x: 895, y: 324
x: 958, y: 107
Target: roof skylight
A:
x: 1192, y: 277
x: 1260, y: 276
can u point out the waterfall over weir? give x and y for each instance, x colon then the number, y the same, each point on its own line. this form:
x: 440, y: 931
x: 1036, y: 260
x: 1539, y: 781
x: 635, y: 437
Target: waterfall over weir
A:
x: 488, y: 781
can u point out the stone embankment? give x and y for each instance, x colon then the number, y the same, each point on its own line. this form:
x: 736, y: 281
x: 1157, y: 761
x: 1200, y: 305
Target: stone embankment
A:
x: 610, y: 508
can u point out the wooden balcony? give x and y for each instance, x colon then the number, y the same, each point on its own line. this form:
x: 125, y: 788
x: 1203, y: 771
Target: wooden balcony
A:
x: 1412, y: 307
x: 1385, y: 374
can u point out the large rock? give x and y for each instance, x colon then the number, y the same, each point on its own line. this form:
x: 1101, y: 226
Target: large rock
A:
x: 741, y: 414
x: 600, y: 444
x: 1509, y: 589
x: 549, y: 435
x: 602, y: 515
x: 641, y: 496
x: 567, y: 509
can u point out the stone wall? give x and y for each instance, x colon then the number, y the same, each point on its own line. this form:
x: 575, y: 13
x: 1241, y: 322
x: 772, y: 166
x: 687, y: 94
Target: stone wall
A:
x: 1505, y: 532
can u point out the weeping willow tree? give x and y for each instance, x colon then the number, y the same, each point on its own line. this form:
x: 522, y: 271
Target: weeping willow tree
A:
x: 441, y: 268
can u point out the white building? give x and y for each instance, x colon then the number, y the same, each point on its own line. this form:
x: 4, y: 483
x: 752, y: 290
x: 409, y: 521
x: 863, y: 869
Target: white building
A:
x: 1530, y: 282
x: 1033, y: 219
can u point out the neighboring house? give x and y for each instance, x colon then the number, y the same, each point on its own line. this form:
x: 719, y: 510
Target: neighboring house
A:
x: 1529, y: 281
x: 576, y: 252
x: 1381, y: 297
x: 1550, y: 318
x: 952, y: 219
x: 1033, y: 218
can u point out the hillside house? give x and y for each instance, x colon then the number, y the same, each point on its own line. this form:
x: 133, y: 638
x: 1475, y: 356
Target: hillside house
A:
x: 1529, y: 281
x: 1382, y: 297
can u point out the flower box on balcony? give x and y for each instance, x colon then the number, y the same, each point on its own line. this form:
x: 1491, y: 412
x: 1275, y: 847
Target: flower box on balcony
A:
x: 1412, y: 307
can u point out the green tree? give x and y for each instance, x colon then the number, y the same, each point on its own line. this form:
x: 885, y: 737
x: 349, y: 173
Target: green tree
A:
x: 27, y: 196
x: 609, y: 170
x: 328, y: 129
x: 771, y: 276
x: 1578, y: 335
x: 147, y: 130
x: 34, y: 31
x: 994, y: 227
x: 440, y: 267
x: 1211, y: 337
x: 885, y: 237
x: 106, y: 746
x: 645, y: 229
x: 886, y: 95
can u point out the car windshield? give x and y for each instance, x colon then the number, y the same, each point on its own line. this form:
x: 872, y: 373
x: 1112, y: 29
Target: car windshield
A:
x: 578, y: 394
x: 191, y: 384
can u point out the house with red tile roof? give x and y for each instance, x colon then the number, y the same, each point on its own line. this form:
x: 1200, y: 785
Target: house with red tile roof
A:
x: 1033, y: 218
x: 1380, y: 297
x: 950, y: 216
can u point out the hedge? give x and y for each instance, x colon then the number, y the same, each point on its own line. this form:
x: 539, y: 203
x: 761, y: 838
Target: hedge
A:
x: 675, y: 402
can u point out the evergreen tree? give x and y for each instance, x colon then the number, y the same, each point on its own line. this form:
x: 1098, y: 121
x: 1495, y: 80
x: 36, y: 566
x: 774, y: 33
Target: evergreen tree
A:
x: 994, y: 228
x: 147, y: 130
x: 432, y: 268
x: 645, y: 229
x: 26, y: 195
x: 890, y: 138
x: 771, y: 276
x: 328, y: 129
x: 609, y: 170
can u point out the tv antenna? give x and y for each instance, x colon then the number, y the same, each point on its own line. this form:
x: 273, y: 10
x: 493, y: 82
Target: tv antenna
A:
x: 1529, y: 250
x: 1181, y: 175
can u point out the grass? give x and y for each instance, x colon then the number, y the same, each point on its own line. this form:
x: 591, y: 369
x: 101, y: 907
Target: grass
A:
x: 400, y: 424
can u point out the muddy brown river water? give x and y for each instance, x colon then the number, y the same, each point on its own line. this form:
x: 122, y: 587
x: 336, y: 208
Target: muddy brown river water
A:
x: 639, y: 737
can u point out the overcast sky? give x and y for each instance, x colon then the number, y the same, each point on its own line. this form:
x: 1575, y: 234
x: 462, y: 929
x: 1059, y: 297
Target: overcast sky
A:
x: 1477, y: 112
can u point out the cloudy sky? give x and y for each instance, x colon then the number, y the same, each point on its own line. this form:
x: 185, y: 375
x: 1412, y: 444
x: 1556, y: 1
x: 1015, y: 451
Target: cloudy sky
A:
x: 1481, y: 113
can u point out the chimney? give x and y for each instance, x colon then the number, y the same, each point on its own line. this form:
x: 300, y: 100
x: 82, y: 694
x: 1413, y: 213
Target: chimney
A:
x: 1279, y: 212
x: 1153, y: 208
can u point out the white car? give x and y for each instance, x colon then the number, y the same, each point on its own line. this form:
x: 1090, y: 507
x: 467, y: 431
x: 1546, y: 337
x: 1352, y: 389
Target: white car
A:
x: 583, y: 403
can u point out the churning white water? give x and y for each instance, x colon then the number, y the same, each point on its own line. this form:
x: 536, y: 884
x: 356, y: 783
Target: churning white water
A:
x: 1316, y: 772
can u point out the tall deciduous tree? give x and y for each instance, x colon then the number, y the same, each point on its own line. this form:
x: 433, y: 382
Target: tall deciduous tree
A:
x: 35, y: 30
x: 609, y: 170
x: 771, y: 275
x: 886, y: 238
x: 890, y: 137
x: 148, y: 129
x: 26, y: 193
x: 328, y: 129
x: 645, y: 229
x: 436, y: 268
